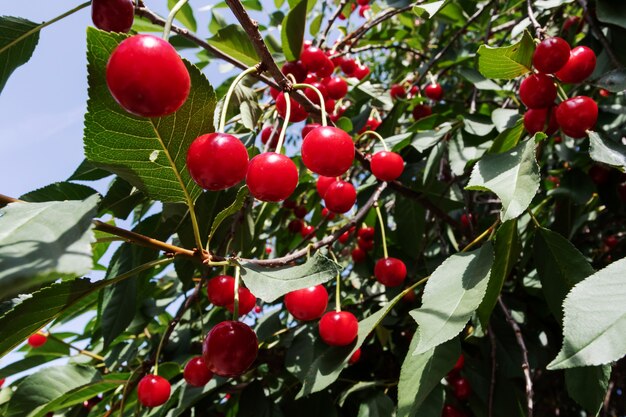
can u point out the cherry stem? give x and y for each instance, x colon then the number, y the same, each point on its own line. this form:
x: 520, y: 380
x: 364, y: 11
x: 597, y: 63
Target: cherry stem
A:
x: 337, y: 285
x: 229, y: 94
x: 236, y: 301
x: 480, y: 237
x: 170, y: 18
x: 376, y: 135
x: 158, y: 352
x: 319, y: 94
x: 431, y: 78
x: 69, y: 345
x: 283, y: 130
x: 382, y: 229
x: 562, y: 94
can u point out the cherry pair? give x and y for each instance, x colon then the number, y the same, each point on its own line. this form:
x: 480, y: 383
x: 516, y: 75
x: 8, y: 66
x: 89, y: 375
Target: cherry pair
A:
x: 221, y: 292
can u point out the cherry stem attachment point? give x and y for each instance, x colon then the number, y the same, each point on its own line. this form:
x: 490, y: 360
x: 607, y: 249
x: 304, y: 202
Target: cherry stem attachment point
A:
x: 236, y: 301
x: 376, y: 135
x: 229, y: 94
x: 319, y: 95
x: 561, y: 92
x: 382, y: 229
x: 170, y: 18
x: 283, y: 130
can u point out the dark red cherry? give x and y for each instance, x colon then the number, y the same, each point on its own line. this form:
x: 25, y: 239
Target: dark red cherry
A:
x: 247, y: 301
x: 336, y: 87
x: 387, y: 166
x: 274, y: 93
x: 326, y: 69
x: 344, y: 237
x: 434, y: 91
x: 113, y: 15
x: 312, y: 95
x: 348, y: 66
x: 462, y: 388
x: 452, y: 411
x: 366, y: 232
x: 540, y: 120
x: 599, y: 174
x: 323, y: 183
x: 196, y: 372
x: 336, y: 115
x: 365, y: 244
x: 338, y: 328
x: 267, y: 133
x: 390, y: 272
x: 295, y: 226
x: 300, y: 211
x: 89, y: 404
x: 340, y: 196
x: 147, y: 77
x: 290, y: 204
x: 2, y: 382
x: 308, y: 127
x: 355, y: 357
x: 414, y: 91
x: 358, y: 255
x: 460, y: 363
x: 217, y: 161
x: 363, y: 10
x: 308, y: 303
x: 537, y: 91
x: 328, y: 213
x: 577, y: 115
x: 328, y: 151
x: 409, y: 297
x: 153, y: 390
x: 271, y: 177
x: 221, y: 290
x: 361, y: 71
x: 579, y: 66
x: 297, y: 114
x: 313, y: 58
x: 551, y: 55
x: 311, y: 78
x: 37, y: 340
x: 307, y: 230
x: 573, y: 23
x: 230, y: 348
x: 466, y: 220
x: 421, y: 110
x: 397, y: 91
x: 363, y: 2
x: 611, y: 241
x: 258, y: 309
x: 371, y: 124
x: 296, y: 69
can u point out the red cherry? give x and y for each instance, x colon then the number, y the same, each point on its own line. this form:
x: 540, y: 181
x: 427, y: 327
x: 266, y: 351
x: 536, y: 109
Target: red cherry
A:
x: 328, y: 151
x: 268, y: 250
x: 247, y: 301
x: 336, y: 115
x: 604, y: 93
x: 363, y: 2
x: 460, y: 363
x: 420, y: 111
x: 340, y: 196
x: 297, y: 114
x: 462, y: 388
x: 113, y: 15
x: 300, y: 211
x: 327, y: 213
x: 557, y: 139
x: 371, y: 124
x: 230, y: 348
x: 91, y: 403
x: 257, y: 309
x: 308, y: 303
x: 366, y: 232
x: 452, y: 411
x: 323, y: 183
x: 366, y: 245
x: 577, y: 115
x: 313, y: 58
x: 147, y: 77
x: 295, y: 226
x: 308, y: 127
x: 466, y: 220
x: 414, y: 91
x: 221, y: 290
x: 387, y: 166
x: 348, y: 66
x: 355, y: 357
x: 217, y: 161
x: 289, y: 204
x: 390, y: 272
x: 579, y: 66
x: 312, y: 95
x: 266, y: 134
x: 611, y: 241
x: 153, y: 390
x: 599, y: 174
x: 338, y: 328
x: 409, y: 297
x: 326, y: 69
x: 311, y: 78
x: 271, y: 177
x: 2, y: 382
x: 573, y: 23
x: 551, y: 55
x: 296, y: 69
x: 537, y: 91
x: 358, y: 255
x: 274, y: 93
x: 196, y: 372
x: 434, y: 91
x: 397, y: 91
x: 307, y: 230
x: 361, y: 71
x: 37, y: 340
x: 344, y: 237
x: 363, y: 10
x: 336, y: 87
x: 537, y: 120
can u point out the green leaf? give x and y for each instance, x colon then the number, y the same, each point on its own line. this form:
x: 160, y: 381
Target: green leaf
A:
x: 505, y: 119
x: 478, y: 125
x: 18, y: 39
x: 316, y: 25
x: 121, y: 199
x: 614, y: 81
x: 594, y: 321
x: 47, y: 385
x: 42, y: 242
x: 478, y: 80
x: 560, y: 266
x: 217, y: 22
x: 230, y: 210
x: 507, y: 62
x: 377, y: 405
x: 59, y: 191
x: 153, y: 150
x: 429, y: 138
x: 422, y: 373
x: 512, y: 175
x: 428, y: 10
x: 245, y: 103
x: 184, y: 15
x: 508, y: 139
x: 611, y: 12
x: 292, y: 32
x: 588, y: 386
x: 24, y: 364
x: 270, y: 283
x: 452, y: 294
x: 607, y: 151
x: 233, y: 41
x: 86, y: 171
x: 507, y: 249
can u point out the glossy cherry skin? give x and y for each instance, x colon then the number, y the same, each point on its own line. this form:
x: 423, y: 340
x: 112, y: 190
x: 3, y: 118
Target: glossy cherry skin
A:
x: 387, y: 166
x: 365, y: 244
x: 229, y: 348
x: 297, y: 114
x: 434, y: 91
x: 390, y: 272
x: 358, y: 255
x: 307, y: 230
x: 361, y: 71
x: 327, y: 213
x: 328, y: 151
x: 573, y: 23
x: 336, y: 87
x: 363, y: 2
x: 537, y: 91
x: 452, y: 411
x: 271, y: 177
x: 611, y: 241
x: 462, y: 388
x: 323, y: 183
x: 421, y: 110
x: 460, y: 363
x: 371, y: 124
x: 579, y: 66
x: 355, y: 357
x: 308, y: 303
x: 540, y: 120
x: 340, y: 196
x: 247, y: 301
x: 217, y: 161
x: 366, y: 232
x: 338, y: 328
x: 344, y: 237
x: 196, y: 372
x: 577, y: 115
x: 308, y: 127
x: 326, y: 69
x: 551, y: 55
x: 37, y: 340
x: 312, y: 95
x: 348, y: 66
x: 295, y: 68
x: 267, y: 133
x: 113, y: 15
x: 147, y: 77
x: 313, y: 58
x: 221, y: 290
x: 2, y: 382
x: 153, y: 390
x: 363, y: 10
x: 397, y: 91
x: 295, y: 226
x: 300, y: 211
x: 466, y: 220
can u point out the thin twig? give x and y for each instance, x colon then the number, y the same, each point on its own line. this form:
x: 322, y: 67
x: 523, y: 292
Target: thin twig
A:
x: 539, y: 32
x: 599, y: 34
x: 392, y: 46
x: 607, y: 398
x: 332, y: 19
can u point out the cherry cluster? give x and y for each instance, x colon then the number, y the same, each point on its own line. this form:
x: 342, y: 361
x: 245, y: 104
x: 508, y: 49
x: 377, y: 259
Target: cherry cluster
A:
x: 460, y: 388
x: 434, y: 91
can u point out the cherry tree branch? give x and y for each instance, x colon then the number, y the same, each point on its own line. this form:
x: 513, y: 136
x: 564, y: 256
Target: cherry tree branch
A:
x: 332, y: 19
x: 599, y: 34
x: 539, y: 32
x: 400, y: 47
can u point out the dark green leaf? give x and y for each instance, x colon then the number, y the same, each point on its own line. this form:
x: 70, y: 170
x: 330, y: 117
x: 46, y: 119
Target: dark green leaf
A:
x: 121, y: 199
x: 292, y: 32
x: 184, y: 15
x: 428, y: 10
x: 233, y: 41
x: 316, y: 25
x: 611, y: 12
x: 59, y: 191
x: 378, y: 405
x: 18, y: 39
x: 506, y: 62
x: 588, y: 386
x: 86, y: 171
x: 230, y: 210
x: 613, y: 81
x: 607, y: 151
x: 508, y: 139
